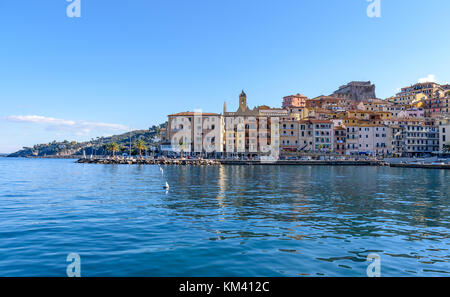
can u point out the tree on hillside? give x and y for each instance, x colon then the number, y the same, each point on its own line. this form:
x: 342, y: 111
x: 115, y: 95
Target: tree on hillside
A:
x: 123, y: 148
x: 113, y: 148
x: 141, y: 146
x: 105, y: 148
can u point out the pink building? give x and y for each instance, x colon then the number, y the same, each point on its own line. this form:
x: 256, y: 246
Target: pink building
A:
x: 412, y: 113
x: 294, y: 101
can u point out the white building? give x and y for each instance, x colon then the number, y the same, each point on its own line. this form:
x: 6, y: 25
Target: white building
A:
x: 444, y: 133
x: 316, y: 136
x: 367, y: 139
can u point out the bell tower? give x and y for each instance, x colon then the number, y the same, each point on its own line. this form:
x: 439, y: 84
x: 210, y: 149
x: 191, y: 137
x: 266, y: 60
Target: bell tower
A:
x: 243, y: 101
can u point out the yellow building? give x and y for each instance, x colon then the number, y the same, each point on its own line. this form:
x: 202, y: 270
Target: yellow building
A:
x: 407, y: 98
x: 254, y: 131
x: 374, y: 105
x: 351, y: 121
x: 289, y: 128
x: 384, y: 115
x: 360, y: 114
x: 316, y: 113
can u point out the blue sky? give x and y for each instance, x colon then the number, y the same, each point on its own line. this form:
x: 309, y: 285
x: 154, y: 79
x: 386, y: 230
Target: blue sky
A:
x: 127, y: 64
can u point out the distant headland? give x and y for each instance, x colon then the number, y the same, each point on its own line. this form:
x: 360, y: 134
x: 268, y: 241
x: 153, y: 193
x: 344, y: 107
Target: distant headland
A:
x: 126, y: 143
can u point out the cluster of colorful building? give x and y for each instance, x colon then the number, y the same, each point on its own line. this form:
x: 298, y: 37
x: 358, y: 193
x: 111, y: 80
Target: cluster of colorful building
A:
x: 351, y: 121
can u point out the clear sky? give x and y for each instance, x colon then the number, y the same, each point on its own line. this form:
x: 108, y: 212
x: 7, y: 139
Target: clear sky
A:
x: 127, y: 64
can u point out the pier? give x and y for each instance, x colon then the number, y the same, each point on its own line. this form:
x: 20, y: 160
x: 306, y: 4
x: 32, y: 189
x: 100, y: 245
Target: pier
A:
x: 133, y: 161
x: 209, y: 162
x: 422, y: 166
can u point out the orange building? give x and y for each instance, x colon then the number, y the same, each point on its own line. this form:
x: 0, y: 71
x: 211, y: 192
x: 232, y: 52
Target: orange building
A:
x: 340, y: 140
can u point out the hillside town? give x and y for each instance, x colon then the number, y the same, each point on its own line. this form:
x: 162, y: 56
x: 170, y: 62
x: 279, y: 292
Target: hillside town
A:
x: 351, y: 121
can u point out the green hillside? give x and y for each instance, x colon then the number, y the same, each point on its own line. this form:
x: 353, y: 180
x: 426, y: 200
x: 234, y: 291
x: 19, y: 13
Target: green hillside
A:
x: 94, y: 146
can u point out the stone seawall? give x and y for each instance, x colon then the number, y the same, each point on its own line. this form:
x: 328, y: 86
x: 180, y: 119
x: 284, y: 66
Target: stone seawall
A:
x: 304, y: 163
x: 422, y: 166
x: 190, y: 162
x: 150, y: 162
x: 228, y: 162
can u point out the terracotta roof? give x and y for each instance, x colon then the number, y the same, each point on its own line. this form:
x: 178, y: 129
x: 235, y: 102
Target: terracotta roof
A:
x: 316, y: 121
x: 366, y: 125
x: 189, y: 113
x: 296, y: 95
x: 360, y: 111
x: 407, y: 119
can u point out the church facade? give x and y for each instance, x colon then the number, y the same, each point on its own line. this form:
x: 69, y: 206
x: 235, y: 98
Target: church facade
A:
x: 254, y: 131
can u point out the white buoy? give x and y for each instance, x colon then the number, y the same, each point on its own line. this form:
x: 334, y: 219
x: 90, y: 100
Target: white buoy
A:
x: 166, y: 186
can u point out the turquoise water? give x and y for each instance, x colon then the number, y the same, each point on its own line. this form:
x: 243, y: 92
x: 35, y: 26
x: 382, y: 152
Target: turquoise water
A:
x: 221, y: 221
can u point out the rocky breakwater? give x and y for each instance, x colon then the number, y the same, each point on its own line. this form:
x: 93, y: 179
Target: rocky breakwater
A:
x: 176, y: 162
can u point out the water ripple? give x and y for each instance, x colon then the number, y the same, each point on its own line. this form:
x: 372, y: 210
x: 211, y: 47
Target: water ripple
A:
x: 221, y: 221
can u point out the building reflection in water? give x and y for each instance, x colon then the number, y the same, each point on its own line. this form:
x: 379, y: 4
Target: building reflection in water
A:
x: 221, y: 193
